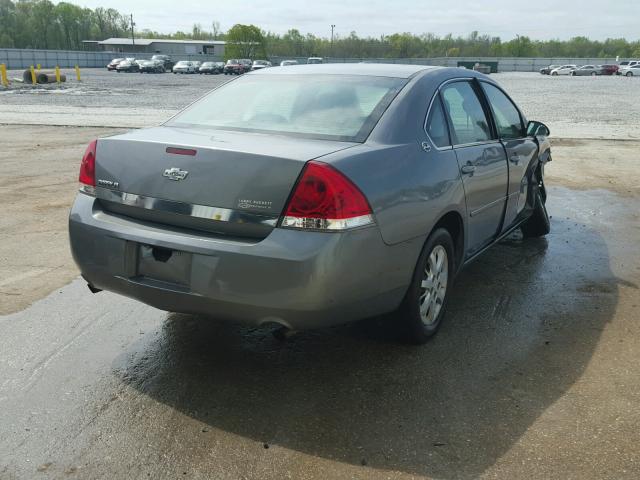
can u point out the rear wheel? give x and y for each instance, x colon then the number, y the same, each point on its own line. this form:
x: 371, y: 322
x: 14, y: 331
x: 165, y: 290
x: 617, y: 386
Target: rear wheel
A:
x: 629, y: 74
x: 424, y: 304
x: 554, y: 73
x: 593, y: 74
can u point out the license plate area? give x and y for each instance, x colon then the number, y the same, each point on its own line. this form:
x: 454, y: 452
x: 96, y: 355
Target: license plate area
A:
x: 164, y: 264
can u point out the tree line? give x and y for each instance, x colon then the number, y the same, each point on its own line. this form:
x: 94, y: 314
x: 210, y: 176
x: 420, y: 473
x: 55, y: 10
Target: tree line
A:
x: 43, y: 24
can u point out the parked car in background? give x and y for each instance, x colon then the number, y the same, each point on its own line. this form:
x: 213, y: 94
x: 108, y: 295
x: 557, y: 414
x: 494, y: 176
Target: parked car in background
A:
x: 260, y: 64
x: 631, y: 71
x: 166, y: 61
x: 287, y: 63
x: 609, y: 69
x: 314, y: 60
x: 114, y: 63
x: 234, y: 67
x: 128, y: 65
x: 547, y: 70
x: 211, y: 68
x: 184, y: 66
x: 627, y: 64
x: 563, y: 70
x: 197, y: 64
x: 247, y: 63
x: 243, y: 210
x: 585, y: 71
x: 151, y: 66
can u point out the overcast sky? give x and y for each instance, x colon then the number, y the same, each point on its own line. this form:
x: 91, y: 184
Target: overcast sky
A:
x: 539, y: 19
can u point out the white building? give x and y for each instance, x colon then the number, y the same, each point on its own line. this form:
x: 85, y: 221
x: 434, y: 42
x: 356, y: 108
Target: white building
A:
x: 156, y: 45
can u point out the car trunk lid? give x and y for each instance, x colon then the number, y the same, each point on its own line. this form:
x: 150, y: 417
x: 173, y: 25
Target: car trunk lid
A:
x: 225, y: 182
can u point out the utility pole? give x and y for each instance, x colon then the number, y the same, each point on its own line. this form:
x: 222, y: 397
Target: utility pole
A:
x: 133, y: 35
x: 332, y: 27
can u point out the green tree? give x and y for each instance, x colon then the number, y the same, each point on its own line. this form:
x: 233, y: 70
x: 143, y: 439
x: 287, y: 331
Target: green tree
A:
x: 245, y: 41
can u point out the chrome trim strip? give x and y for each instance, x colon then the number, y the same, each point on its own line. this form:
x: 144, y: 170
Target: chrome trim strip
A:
x: 189, y: 209
x: 488, y: 205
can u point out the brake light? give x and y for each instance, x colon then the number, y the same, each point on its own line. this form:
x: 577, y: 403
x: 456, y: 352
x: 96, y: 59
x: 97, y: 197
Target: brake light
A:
x: 88, y: 168
x: 325, y: 199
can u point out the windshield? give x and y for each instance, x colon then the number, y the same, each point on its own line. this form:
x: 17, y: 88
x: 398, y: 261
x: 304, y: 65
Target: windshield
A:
x: 332, y: 107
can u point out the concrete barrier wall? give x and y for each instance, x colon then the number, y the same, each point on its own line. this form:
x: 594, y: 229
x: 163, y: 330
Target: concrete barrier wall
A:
x: 23, y: 58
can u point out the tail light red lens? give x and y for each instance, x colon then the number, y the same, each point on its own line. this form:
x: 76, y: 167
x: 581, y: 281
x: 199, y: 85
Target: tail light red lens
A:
x: 325, y: 199
x: 88, y: 165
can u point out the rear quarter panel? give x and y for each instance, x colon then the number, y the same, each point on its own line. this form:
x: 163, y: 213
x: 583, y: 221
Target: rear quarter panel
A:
x: 408, y: 189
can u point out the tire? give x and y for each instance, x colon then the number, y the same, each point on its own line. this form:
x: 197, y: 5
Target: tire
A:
x: 593, y: 74
x: 538, y: 224
x: 420, y: 316
x: 554, y: 74
x: 628, y: 74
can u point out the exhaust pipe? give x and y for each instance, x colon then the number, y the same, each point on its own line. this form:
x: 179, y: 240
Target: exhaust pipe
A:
x: 93, y: 289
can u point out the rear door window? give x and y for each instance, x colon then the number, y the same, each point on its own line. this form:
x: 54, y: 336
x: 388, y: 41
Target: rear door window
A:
x: 469, y: 123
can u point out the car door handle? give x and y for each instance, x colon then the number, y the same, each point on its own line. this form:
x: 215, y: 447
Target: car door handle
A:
x: 468, y: 169
x: 515, y: 159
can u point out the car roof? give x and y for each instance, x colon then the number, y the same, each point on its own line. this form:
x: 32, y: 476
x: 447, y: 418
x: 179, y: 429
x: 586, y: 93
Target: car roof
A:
x: 369, y: 69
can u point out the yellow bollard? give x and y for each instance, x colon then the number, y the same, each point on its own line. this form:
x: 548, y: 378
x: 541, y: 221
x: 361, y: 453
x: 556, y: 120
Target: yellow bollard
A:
x: 57, y: 74
x: 3, y: 74
x: 78, y: 72
x: 38, y: 66
x: 33, y: 75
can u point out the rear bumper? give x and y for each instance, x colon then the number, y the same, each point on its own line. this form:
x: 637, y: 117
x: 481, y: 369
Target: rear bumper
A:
x: 297, y: 279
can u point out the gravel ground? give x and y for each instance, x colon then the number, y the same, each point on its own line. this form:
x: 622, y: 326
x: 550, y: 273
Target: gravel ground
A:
x: 573, y: 107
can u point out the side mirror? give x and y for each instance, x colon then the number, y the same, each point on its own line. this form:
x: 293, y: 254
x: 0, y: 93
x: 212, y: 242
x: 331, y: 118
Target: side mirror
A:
x: 537, y: 129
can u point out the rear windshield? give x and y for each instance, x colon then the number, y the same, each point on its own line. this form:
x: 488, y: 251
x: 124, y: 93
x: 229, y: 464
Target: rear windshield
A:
x: 331, y: 107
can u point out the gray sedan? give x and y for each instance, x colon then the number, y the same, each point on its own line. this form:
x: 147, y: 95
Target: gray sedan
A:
x: 587, y: 70
x: 313, y: 196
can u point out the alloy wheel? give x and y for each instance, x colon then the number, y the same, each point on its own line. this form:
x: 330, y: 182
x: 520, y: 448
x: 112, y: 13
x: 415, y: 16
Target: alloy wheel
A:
x: 433, y: 287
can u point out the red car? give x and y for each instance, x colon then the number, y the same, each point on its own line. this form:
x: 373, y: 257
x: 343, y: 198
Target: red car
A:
x: 608, y: 69
x: 234, y: 67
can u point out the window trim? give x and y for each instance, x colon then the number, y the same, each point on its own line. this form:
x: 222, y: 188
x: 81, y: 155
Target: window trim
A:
x: 483, y: 103
x: 523, y: 129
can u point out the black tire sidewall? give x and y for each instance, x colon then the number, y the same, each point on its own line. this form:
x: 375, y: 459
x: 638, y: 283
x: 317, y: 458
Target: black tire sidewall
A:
x: 416, y: 331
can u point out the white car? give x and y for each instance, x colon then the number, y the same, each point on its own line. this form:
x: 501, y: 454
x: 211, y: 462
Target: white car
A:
x: 314, y: 60
x: 260, y: 64
x: 564, y: 70
x: 185, y: 66
x: 631, y: 71
x: 286, y: 63
x: 627, y: 64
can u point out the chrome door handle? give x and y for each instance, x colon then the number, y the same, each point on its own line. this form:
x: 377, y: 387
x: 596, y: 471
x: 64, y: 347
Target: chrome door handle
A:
x: 468, y: 169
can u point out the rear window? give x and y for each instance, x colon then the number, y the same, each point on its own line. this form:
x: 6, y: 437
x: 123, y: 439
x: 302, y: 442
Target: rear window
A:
x: 331, y: 107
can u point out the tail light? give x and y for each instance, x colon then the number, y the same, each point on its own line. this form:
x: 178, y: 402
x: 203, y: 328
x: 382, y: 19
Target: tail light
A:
x: 88, y: 169
x: 324, y: 199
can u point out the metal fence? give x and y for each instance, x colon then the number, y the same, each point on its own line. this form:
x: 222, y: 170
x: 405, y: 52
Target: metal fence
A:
x: 15, y: 58
x: 505, y: 64
x: 23, y: 58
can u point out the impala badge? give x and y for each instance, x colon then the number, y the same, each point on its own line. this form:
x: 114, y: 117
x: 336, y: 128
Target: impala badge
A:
x: 175, y: 174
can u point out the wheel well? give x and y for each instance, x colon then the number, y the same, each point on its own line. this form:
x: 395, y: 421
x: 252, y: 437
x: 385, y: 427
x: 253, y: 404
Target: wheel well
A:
x: 452, y: 222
